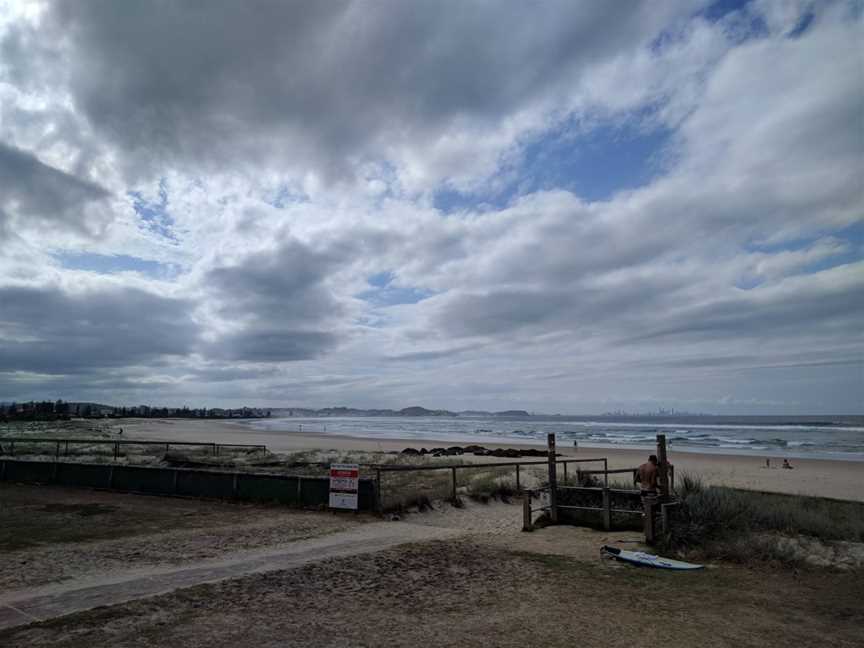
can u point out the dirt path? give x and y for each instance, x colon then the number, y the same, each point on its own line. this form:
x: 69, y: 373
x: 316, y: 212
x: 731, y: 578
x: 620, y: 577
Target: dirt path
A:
x: 24, y: 606
x: 44, y: 582
x: 51, y: 534
x: 459, y: 592
x: 495, y: 524
x: 449, y: 577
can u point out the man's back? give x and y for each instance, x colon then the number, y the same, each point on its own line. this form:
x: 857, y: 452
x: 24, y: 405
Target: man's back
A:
x: 647, y: 476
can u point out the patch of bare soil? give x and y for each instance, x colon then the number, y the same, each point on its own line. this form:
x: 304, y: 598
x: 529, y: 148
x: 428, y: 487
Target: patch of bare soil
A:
x: 461, y: 593
x: 53, y: 534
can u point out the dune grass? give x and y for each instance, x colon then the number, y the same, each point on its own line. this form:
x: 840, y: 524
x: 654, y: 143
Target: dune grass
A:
x: 492, y: 484
x: 744, y: 526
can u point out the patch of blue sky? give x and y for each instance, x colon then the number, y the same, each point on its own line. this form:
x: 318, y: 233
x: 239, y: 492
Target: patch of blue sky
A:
x: 595, y: 164
x: 755, y: 25
x: 449, y: 201
x: 383, y: 293
x: 803, y: 25
x: 381, y: 279
x: 113, y: 263
x: 719, y: 9
x: 853, y: 236
x: 154, y: 215
x: 741, y: 24
x: 598, y: 163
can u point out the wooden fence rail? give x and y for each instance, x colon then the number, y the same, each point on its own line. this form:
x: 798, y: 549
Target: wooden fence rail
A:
x: 9, y: 442
x: 454, y: 468
x: 606, y: 508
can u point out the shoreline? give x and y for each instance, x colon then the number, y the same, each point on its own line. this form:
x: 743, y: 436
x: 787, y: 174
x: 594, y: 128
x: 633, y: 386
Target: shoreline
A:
x: 795, y: 448
x: 820, y: 477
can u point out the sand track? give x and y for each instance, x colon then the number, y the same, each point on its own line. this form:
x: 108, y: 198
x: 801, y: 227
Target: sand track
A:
x: 23, y: 606
x: 65, y: 578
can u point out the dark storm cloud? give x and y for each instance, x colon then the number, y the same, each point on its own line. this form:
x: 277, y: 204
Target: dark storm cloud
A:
x: 47, y: 330
x: 217, y: 81
x: 281, y: 300
x: 31, y: 190
x: 282, y: 285
x: 275, y: 345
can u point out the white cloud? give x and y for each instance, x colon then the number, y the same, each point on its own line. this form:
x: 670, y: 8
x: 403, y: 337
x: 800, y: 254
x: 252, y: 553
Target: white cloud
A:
x: 292, y: 156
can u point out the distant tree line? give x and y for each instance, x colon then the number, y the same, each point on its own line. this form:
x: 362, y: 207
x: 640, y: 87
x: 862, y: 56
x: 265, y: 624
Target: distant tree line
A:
x: 63, y: 411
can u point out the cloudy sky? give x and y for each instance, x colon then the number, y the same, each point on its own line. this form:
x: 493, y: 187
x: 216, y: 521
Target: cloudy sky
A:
x: 556, y: 206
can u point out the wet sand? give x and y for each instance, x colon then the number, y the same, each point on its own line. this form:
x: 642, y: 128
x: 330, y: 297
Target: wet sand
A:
x: 820, y: 477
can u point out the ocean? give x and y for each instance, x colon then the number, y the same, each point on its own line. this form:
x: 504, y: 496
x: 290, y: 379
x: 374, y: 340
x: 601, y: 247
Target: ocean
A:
x: 830, y: 437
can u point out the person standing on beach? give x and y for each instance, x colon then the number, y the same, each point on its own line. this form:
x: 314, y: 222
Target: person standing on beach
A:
x: 646, y: 477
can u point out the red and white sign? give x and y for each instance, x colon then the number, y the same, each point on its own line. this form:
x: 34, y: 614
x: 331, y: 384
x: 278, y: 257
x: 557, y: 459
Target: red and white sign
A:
x: 344, y: 484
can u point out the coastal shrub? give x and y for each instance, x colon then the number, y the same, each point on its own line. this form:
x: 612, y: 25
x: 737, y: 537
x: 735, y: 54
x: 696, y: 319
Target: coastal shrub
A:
x: 736, y: 524
x: 489, y: 486
x: 401, y: 490
x: 620, y: 484
x: 579, y: 479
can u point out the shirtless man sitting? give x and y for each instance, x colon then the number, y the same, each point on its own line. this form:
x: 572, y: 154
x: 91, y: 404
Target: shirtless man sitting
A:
x: 646, y: 477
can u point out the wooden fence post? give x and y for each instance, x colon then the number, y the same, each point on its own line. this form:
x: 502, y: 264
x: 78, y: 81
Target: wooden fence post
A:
x: 565, y: 472
x: 379, y: 506
x: 518, y: 485
x: 665, y: 520
x: 526, y: 513
x: 453, y: 489
x: 607, y: 510
x: 553, y: 479
x: 648, y: 504
x: 663, y: 466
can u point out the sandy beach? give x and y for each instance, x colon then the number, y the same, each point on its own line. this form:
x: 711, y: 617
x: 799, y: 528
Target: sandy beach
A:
x: 90, y: 567
x: 819, y: 477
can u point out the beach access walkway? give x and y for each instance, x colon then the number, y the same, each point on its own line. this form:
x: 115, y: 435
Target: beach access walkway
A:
x: 23, y: 606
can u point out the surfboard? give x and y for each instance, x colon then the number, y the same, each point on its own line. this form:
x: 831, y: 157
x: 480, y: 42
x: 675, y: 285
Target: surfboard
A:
x: 646, y: 559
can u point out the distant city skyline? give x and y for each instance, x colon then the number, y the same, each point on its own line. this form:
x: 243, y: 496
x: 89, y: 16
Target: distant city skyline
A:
x: 38, y: 409
x: 557, y: 206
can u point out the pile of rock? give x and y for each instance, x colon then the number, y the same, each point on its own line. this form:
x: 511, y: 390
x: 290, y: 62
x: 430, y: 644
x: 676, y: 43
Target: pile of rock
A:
x: 479, y: 451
